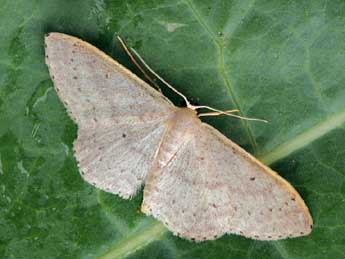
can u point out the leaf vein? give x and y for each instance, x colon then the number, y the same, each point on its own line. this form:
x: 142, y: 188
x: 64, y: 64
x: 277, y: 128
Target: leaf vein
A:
x: 221, y: 67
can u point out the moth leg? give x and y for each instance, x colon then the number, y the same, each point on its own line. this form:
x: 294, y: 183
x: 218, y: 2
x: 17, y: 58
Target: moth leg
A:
x: 217, y: 113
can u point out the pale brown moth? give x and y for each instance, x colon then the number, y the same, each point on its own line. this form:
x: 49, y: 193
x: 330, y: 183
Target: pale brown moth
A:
x: 199, y: 183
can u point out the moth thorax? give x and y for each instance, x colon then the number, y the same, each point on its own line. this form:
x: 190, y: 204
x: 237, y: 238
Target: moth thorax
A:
x: 184, y: 117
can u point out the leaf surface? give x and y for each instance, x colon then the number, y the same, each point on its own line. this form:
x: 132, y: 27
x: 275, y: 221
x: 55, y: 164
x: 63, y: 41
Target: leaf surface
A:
x: 282, y: 61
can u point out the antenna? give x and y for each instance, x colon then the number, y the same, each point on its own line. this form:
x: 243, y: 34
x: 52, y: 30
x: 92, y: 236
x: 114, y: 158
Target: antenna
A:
x: 215, y: 112
x: 162, y: 80
x: 137, y: 65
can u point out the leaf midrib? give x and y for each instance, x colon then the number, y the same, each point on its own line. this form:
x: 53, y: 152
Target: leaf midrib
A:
x: 333, y: 121
x: 135, y: 241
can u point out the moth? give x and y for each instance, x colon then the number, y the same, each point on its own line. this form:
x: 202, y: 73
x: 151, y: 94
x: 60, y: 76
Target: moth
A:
x: 198, y: 182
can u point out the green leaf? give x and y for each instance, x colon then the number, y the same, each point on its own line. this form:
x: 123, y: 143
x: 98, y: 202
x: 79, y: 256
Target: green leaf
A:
x: 283, y: 61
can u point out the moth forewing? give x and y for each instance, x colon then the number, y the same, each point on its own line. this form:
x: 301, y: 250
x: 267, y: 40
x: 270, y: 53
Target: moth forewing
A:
x: 242, y: 195
x: 120, y: 118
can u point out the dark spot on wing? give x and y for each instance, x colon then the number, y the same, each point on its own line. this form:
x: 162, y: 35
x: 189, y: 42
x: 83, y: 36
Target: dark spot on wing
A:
x: 252, y: 178
x: 124, y: 135
x: 75, y: 77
